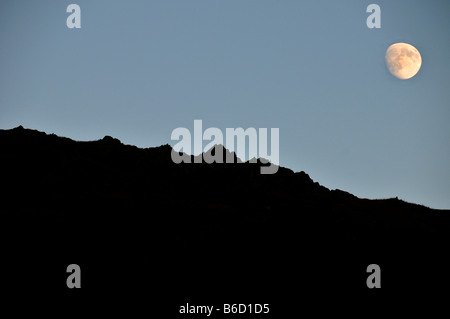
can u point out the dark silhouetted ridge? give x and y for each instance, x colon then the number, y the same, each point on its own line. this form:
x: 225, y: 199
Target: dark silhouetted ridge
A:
x: 173, y: 227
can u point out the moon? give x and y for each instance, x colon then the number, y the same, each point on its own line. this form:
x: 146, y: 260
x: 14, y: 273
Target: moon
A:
x: 403, y: 60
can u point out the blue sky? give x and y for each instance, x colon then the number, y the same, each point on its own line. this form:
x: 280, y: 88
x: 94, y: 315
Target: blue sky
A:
x: 136, y: 70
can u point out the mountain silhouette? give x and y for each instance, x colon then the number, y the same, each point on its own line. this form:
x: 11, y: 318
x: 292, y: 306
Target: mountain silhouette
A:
x: 137, y: 222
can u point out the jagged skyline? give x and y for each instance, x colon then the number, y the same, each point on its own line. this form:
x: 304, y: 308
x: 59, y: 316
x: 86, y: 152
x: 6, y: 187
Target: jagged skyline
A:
x: 120, y: 211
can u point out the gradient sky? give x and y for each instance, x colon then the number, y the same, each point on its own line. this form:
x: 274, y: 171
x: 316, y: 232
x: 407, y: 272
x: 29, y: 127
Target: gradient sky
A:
x: 136, y: 70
